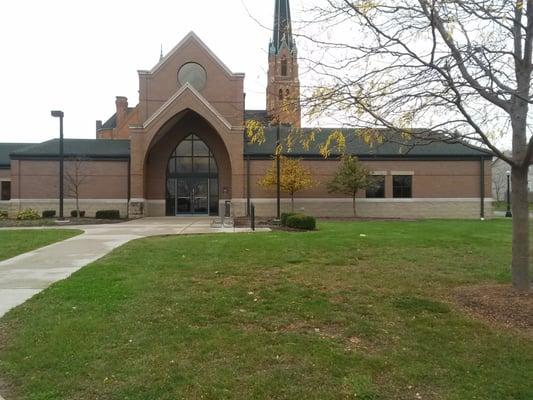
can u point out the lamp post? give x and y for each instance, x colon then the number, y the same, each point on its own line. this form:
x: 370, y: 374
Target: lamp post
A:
x: 509, y: 214
x: 60, y: 115
x: 278, y: 173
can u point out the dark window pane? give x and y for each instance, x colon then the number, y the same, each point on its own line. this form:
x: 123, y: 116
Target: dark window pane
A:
x: 184, y: 149
x: 172, y: 166
x: 201, y: 165
x: 184, y: 165
x: 377, y: 188
x: 200, y: 149
x: 402, y: 186
x: 6, y: 191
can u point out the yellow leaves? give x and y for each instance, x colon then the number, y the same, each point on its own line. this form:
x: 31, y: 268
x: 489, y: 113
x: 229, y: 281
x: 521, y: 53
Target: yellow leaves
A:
x: 294, y: 177
x: 365, y: 6
x: 336, y: 137
x: 255, y: 131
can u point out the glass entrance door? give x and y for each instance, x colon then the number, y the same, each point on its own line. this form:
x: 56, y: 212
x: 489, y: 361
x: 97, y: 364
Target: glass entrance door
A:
x: 192, y: 196
x: 192, y: 179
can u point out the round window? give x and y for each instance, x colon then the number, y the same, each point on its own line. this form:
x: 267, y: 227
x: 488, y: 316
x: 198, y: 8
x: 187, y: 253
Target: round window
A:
x: 193, y: 74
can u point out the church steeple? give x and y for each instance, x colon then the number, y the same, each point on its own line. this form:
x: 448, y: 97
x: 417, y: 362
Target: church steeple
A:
x: 282, y: 28
x: 283, y: 89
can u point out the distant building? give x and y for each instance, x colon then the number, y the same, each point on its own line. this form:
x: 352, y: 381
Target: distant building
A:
x: 499, y: 180
x: 181, y: 150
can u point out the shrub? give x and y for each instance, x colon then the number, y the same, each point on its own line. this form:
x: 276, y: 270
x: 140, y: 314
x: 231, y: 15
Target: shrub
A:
x: 49, y: 213
x: 74, y: 214
x: 108, y: 214
x: 3, y: 214
x: 301, y: 221
x: 284, y: 217
x: 27, y: 215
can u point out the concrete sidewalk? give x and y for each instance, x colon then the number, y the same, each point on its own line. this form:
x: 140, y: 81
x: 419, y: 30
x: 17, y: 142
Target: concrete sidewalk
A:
x: 24, y: 276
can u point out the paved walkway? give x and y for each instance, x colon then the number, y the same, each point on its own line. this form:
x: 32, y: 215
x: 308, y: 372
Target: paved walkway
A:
x: 24, y: 276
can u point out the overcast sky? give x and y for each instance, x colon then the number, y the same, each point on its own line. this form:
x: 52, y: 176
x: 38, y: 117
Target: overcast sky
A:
x: 77, y: 56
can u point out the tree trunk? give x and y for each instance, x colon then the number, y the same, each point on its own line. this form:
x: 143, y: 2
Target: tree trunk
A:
x: 520, y: 266
x: 78, y: 205
x: 354, y: 207
x: 292, y: 202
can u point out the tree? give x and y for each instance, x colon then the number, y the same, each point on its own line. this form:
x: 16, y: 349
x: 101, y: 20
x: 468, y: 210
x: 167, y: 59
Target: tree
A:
x: 75, y: 179
x: 350, y: 178
x: 462, y: 69
x: 293, y: 177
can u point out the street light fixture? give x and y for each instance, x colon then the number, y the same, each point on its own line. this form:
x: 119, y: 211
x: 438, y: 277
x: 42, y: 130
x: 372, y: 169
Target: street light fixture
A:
x: 60, y: 115
x: 508, y: 214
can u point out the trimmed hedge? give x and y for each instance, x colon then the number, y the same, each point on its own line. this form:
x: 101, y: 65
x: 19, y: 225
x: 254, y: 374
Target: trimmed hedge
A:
x: 74, y: 214
x: 301, y: 221
x: 27, y: 215
x: 107, y: 214
x: 49, y: 213
x: 3, y: 214
x: 284, y: 217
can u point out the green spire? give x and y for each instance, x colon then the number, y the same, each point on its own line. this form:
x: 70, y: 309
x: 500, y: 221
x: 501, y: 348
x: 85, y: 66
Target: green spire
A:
x: 282, y: 27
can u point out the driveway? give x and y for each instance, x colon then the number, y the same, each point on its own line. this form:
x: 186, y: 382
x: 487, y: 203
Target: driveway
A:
x: 24, y: 276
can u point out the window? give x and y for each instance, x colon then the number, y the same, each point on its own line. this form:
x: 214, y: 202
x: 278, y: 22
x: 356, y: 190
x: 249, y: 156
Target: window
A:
x: 5, y: 191
x: 284, y: 66
x: 402, y: 186
x: 280, y: 95
x: 377, y: 188
x: 287, y: 93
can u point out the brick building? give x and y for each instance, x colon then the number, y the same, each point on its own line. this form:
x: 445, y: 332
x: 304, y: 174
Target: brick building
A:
x: 182, y: 150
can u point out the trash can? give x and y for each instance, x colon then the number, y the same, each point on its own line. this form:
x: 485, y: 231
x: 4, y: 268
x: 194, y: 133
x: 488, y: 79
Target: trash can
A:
x: 227, y: 209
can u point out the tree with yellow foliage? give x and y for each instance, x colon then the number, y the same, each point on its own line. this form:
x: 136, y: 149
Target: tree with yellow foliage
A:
x: 294, y: 177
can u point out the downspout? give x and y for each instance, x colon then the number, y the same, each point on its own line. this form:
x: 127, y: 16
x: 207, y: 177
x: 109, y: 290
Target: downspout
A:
x: 482, y: 186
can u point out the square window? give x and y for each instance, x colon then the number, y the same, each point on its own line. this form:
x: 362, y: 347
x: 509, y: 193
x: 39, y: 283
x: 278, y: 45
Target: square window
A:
x: 376, y: 190
x: 5, y: 190
x: 402, y: 186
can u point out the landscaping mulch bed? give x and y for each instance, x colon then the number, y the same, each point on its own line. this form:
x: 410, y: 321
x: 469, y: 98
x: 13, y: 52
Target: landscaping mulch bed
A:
x: 13, y: 223
x: 499, y: 304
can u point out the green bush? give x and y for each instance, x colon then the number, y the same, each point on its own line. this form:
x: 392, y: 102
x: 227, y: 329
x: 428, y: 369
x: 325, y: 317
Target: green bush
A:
x: 284, y: 217
x: 3, y: 214
x: 27, y: 215
x: 108, y: 214
x: 301, y: 221
x: 74, y: 214
x: 49, y: 213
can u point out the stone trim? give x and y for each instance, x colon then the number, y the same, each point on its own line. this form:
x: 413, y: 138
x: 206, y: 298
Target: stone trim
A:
x: 364, y: 200
x: 402, y: 173
x: 182, y: 90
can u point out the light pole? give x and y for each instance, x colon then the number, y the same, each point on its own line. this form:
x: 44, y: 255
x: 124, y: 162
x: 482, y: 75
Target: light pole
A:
x: 278, y: 173
x: 509, y: 214
x: 60, y: 115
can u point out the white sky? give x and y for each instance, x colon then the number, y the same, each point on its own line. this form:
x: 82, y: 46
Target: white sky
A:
x: 77, y: 56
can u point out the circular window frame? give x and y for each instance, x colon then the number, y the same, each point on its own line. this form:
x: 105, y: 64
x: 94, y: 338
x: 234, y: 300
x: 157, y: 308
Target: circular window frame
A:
x: 201, y: 79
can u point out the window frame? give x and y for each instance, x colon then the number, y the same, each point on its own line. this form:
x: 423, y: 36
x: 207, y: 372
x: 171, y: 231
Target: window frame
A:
x: 406, y: 191
x: 370, y: 194
x: 2, y: 183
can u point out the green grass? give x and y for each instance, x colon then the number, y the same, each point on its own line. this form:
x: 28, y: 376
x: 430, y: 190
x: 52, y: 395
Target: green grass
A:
x: 15, y: 242
x: 320, y: 315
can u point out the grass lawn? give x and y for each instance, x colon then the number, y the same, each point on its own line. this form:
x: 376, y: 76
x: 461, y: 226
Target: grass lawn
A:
x: 322, y: 315
x: 15, y: 242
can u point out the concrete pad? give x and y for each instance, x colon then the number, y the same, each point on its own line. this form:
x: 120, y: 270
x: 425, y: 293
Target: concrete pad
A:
x: 24, y: 276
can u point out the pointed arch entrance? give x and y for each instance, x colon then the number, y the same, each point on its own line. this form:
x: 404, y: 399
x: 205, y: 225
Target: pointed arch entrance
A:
x: 192, y: 186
